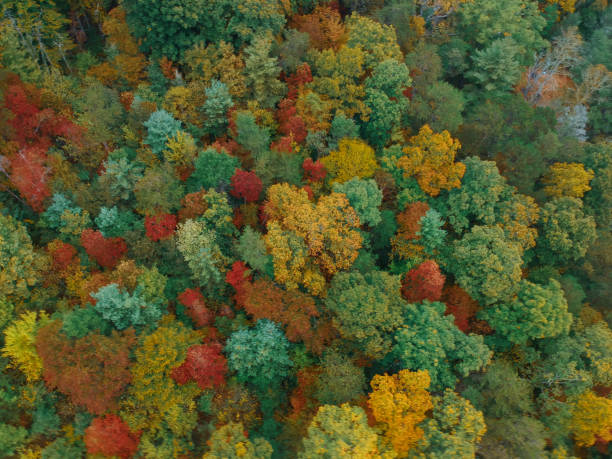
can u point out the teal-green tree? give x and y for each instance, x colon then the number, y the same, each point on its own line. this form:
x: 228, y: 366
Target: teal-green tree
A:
x: 259, y: 355
x: 429, y: 340
x: 212, y: 169
x: 161, y: 127
x: 364, y: 196
x: 262, y: 72
x: 218, y: 102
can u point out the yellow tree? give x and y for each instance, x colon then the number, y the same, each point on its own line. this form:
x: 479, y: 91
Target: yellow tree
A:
x: 308, y: 240
x: 430, y: 158
x: 568, y: 179
x: 591, y: 419
x: 399, y: 403
x: 354, y: 158
x: 20, y: 344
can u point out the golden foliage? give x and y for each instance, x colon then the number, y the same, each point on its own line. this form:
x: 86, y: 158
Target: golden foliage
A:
x: 591, y: 419
x: 19, y: 344
x: 568, y: 180
x: 430, y: 158
x: 399, y: 402
x: 354, y: 158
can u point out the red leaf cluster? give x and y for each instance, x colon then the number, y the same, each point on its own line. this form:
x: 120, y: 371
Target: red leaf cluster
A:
x: 314, y: 171
x: 193, y: 300
x: 290, y: 123
x: 62, y: 254
x: 238, y: 277
x: 160, y: 226
x: 461, y: 306
x: 106, y: 251
x: 29, y: 174
x: 92, y: 371
x: 297, y: 80
x: 425, y: 282
x: 246, y: 185
x: 110, y: 436
x: 205, y: 364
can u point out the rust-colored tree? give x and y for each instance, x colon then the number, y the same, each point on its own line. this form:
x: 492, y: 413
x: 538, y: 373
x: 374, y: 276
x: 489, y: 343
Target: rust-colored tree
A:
x: 106, y: 251
x: 110, y: 436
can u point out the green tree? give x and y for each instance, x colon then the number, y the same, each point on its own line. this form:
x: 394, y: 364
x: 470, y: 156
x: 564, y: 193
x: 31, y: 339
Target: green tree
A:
x: 212, y: 169
x: 218, y: 102
x: 254, y: 138
x: 364, y: 196
x: 124, y: 309
x: 114, y: 222
x: 367, y: 309
x: 120, y: 176
x: 455, y: 429
x: 262, y: 72
x: 538, y: 311
x: 439, y: 104
x: 339, y: 431
x: 431, y: 235
x: 259, y: 355
x: 497, y: 68
x: 230, y: 442
x: 565, y: 232
x: 161, y: 127
x: 252, y: 249
x: 158, y: 191
x: 340, y: 380
x: 378, y: 41
x: 429, y: 340
x: 20, y: 265
x: 481, y: 22
x: 486, y: 264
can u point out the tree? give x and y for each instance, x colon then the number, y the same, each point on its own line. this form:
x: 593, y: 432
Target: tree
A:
x: 429, y: 340
x: 568, y: 180
x: 29, y: 174
x: 591, y: 419
x: 253, y: 138
x: 230, y: 442
x: 497, y: 68
x: 430, y: 159
x: 324, y: 27
x: 155, y: 402
x: 354, y: 158
x: 481, y: 23
x: 539, y: 311
x: 197, y: 311
x: 161, y: 127
x: 92, y: 371
x: 200, y: 249
x: 20, y: 265
x: 120, y: 176
x: 218, y: 102
x: 158, y: 191
x: 425, y: 282
x: 114, y: 222
x: 363, y: 196
x: 212, y: 169
x: 367, y: 309
x: 339, y: 431
x: 340, y: 380
x: 262, y: 72
x: 269, y: 346
x: 399, y: 402
x: 105, y: 251
x: 205, y: 364
x: 110, y: 436
x: 126, y: 310
x: 455, y: 429
x: 565, y: 232
x: 486, y: 264
x: 378, y: 41
x: 431, y: 234
x: 246, y: 185
x: 20, y: 344
x: 160, y: 226
x: 439, y: 105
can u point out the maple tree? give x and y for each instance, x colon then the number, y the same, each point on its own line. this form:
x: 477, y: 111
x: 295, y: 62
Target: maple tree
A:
x: 105, y: 251
x: 160, y: 226
x: 425, y: 282
x: 204, y: 364
x: 110, y: 436
x: 246, y: 185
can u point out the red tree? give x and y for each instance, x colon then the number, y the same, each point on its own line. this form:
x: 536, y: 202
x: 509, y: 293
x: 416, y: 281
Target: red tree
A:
x: 110, y: 436
x: 62, y: 254
x: 425, y: 282
x: 106, y: 251
x: 297, y: 80
x: 238, y: 277
x: 461, y: 306
x: 314, y: 171
x: 92, y: 371
x: 246, y: 185
x: 290, y: 123
x: 205, y: 364
x: 160, y: 226
x: 29, y: 174
x: 193, y: 300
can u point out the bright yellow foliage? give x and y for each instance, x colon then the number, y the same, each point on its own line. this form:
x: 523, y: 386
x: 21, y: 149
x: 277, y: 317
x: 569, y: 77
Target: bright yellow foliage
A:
x: 399, y: 402
x: 307, y: 240
x: 181, y: 149
x: 591, y: 419
x: 430, y: 158
x: 20, y: 344
x: 154, y: 399
x: 354, y: 158
x: 567, y: 6
x: 230, y: 442
x: 568, y: 180
x: 179, y: 101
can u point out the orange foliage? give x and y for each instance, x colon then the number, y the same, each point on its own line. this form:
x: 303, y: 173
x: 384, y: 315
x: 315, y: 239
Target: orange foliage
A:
x: 324, y: 26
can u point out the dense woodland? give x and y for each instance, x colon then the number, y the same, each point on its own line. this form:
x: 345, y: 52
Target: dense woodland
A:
x: 305, y: 229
